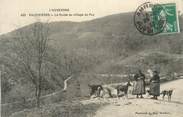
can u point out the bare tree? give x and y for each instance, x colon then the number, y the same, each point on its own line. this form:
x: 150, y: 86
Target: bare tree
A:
x: 31, y: 50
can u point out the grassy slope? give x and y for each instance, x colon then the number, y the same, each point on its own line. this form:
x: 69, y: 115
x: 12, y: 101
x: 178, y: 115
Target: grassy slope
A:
x: 106, y: 38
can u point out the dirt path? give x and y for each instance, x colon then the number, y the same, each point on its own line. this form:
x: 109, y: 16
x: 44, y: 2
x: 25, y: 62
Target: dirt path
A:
x: 146, y: 107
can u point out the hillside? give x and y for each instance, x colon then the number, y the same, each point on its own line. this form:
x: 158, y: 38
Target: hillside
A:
x: 105, y: 45
x: 105, y: 38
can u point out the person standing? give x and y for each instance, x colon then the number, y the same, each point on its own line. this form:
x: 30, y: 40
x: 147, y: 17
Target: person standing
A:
x: 139, y: 84
x: 155, y: 85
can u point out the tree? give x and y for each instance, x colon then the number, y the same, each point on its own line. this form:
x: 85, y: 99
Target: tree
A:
x: 31, y: 48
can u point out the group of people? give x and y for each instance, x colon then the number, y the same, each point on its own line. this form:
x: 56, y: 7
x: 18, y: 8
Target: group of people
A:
x: 139, y: 84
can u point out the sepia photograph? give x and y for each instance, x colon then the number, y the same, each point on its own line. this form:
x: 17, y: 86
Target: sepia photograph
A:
x: 91, y: 58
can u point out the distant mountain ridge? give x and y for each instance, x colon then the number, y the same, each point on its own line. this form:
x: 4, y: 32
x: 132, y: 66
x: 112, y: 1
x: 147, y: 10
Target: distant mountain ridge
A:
x: 110, y: 37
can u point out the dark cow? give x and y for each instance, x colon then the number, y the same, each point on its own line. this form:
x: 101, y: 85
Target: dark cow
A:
x: 95, y: 89
x: 122, y: 88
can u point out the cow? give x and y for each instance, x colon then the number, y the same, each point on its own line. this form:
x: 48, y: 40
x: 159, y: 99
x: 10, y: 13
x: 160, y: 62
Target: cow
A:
x: 123, y: 89
x: 95, y: 90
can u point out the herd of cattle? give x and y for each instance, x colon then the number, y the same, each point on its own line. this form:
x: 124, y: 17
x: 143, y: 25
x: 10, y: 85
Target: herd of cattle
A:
x: 110, y: 91
x: 119, y: 90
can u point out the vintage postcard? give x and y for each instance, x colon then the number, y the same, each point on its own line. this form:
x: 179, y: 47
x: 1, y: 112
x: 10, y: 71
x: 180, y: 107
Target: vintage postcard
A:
x: 91, y: 58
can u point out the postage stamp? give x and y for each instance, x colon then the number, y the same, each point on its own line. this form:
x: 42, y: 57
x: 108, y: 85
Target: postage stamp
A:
x: 152, y: 19
x: 172, y: 21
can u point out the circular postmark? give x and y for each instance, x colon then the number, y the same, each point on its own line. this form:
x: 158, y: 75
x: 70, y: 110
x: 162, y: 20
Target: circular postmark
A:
x: 150, y: 19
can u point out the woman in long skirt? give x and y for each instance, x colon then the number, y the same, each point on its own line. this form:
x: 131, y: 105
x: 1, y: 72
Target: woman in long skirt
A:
x: 155, y: 85
x: 139, y: 85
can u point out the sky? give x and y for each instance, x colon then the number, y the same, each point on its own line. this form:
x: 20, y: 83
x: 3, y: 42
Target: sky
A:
x: 11, y: 10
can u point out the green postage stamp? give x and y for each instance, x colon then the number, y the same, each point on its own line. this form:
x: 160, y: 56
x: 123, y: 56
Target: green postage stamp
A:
x: 172, y: 21
x: 152, y: 19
